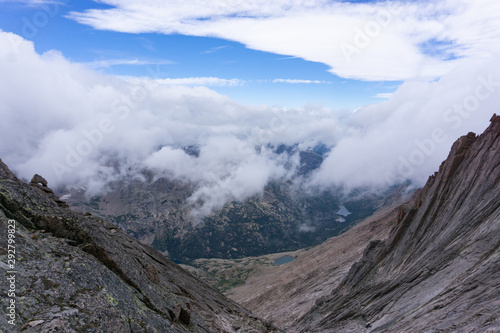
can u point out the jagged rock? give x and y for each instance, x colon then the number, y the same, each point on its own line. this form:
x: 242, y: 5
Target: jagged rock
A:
x: 78, y: 273
x: 439, y: 270
x: 5, y: 172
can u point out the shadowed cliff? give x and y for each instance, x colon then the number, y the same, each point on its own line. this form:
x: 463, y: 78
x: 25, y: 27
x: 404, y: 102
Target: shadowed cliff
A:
x: 439, y: 269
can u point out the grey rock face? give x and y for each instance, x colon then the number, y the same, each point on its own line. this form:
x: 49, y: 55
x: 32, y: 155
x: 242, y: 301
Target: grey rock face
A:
x: 5, y: 172
x: 439, y: 270
x: 282, y: 294
x: 79, y: 273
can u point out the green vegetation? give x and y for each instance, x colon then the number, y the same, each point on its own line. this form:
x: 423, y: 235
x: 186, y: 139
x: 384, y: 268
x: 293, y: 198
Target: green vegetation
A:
x: 226, y: 274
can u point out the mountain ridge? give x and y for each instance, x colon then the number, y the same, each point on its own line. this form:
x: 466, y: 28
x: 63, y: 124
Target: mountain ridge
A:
x: 439, y: 270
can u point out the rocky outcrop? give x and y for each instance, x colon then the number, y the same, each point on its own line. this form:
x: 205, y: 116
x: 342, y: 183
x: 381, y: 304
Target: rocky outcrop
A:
x: 40, y: 182
x: 439, y: 270
x: 37, y: 179
x: 79, y: 273
x: 5, y: 172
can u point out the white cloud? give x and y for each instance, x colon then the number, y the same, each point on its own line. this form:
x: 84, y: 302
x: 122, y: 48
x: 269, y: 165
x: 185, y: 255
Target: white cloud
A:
x: 227, y: 168
x: 407, y: 136
x: 77, y: 126
x: 369, y: 41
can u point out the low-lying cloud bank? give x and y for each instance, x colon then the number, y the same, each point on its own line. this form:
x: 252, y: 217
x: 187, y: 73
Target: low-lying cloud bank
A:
x: 78, y: 127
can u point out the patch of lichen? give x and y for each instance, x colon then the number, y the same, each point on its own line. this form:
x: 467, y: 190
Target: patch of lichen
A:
x: 111, y: 299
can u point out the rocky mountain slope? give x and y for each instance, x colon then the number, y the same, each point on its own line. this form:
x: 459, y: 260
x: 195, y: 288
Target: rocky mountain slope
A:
x: 78, y: 273
x: 439, y: 269
x: 156, y: 211
x: 282, y: 294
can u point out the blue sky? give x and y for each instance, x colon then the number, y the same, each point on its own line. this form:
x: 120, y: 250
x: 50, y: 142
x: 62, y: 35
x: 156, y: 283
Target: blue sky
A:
x: 181, y: 56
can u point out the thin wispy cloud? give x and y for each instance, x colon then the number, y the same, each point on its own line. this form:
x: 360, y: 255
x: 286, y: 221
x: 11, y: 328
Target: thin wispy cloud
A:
x: 287, y: 58
x: 147, y: 44
x: 125, y: 62
x: 299, y: 81
x: 202, y: 81
x: 215, y: 49
x: 383, y: 95
x: 187, y: 81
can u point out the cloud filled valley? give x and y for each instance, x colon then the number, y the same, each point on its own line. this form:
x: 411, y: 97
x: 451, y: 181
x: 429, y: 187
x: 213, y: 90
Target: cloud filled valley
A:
x: 76, y: 126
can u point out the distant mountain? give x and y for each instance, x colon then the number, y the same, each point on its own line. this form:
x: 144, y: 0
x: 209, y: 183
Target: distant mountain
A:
x: 285, y: 218
x: 75, y: 272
